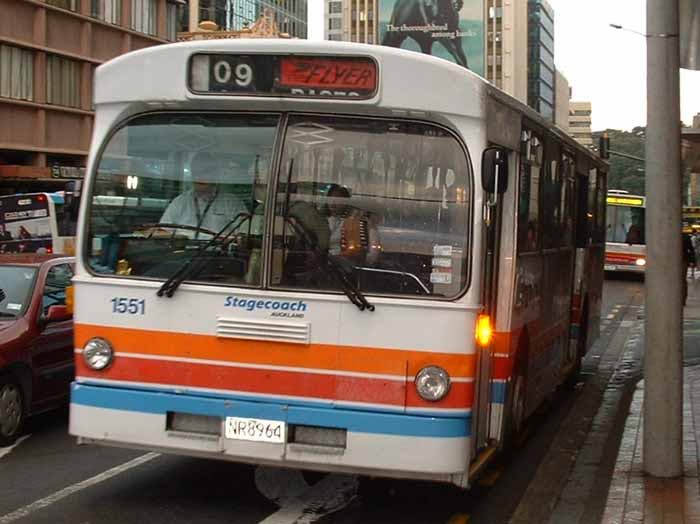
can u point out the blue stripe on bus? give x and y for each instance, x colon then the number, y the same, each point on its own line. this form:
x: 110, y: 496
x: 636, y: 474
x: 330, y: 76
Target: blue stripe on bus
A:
x: 498, y: 393
x: 354, y: 421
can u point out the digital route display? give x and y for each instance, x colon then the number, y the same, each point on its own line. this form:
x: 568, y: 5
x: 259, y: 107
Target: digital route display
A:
x: 284, y: 75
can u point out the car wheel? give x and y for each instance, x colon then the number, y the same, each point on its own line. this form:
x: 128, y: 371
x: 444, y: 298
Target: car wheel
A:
x: 12, y: 410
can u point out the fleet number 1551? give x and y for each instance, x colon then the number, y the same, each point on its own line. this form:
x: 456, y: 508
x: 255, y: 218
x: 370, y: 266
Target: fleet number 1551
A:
x: 130, y: 306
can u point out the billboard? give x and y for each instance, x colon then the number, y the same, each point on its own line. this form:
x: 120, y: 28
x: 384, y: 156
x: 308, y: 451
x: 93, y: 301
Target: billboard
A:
x: 450, y: 29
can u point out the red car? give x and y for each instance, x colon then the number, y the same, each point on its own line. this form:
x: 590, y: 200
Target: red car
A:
x: 36, y: 338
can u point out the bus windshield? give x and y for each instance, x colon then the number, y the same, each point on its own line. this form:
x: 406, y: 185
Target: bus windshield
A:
x: 625, y: 224
x: 388, y: 202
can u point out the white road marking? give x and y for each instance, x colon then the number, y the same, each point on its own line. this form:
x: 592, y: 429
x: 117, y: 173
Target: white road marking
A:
x: 300, y: 503
x: 6, y: 450
x: 65, y: 492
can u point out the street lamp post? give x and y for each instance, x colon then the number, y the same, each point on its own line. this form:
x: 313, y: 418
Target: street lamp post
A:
x: 663, y: 372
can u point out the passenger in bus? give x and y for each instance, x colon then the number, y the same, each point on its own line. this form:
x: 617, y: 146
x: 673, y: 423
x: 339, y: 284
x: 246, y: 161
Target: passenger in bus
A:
x: 353, y: 232
x: 206, y: 205
x: 634, y: 235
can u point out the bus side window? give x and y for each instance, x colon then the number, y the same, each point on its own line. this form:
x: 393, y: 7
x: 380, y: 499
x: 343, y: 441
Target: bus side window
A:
x: 529, y: 194
x: 582, y: 215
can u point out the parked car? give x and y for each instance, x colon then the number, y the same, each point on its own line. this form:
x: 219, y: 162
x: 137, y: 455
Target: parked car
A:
x: 36, y: 338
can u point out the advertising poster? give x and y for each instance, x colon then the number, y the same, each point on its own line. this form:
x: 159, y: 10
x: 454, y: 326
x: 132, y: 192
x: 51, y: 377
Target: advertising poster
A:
x: 450, y: 29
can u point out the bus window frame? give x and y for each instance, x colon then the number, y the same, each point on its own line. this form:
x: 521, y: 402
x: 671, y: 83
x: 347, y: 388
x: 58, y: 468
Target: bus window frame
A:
x: 270, y: 198
x: 532, y: 132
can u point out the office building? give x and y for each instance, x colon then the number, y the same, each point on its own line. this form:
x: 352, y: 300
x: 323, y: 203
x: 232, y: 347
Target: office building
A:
x: 562, y: 95
x: 506, y: 46
x: 351, y: 20
x: 48, y: 54
x: 541, y: 70
x: 580, y: 122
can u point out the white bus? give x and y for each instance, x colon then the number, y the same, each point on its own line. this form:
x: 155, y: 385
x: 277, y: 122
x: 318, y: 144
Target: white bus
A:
x: 625, y: 246
x: 38, y: 222
x: 354, y: 258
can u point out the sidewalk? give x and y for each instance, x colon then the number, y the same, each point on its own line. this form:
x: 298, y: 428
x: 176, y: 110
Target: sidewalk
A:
x: 633, y: 497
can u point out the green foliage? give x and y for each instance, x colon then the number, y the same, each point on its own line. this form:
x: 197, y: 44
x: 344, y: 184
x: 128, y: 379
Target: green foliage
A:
x: 625, y: 173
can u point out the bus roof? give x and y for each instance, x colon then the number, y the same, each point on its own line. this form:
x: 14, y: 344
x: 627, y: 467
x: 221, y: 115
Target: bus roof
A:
x: 150, y: 75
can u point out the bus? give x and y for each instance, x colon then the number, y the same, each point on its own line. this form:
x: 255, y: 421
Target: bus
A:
x: 39, y: 222
x: 395, y: 275
x: 691, y: 219
x: 625, y: 247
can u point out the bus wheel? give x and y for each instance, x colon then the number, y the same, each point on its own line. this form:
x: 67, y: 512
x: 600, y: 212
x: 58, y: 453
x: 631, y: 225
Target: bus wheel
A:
x: 12, y: 410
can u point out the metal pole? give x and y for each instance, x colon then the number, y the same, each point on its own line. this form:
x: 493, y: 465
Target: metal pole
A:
x: 663, y: 372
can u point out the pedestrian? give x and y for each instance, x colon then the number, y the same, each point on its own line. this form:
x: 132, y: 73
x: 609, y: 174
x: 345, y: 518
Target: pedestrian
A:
x: 688, y: 260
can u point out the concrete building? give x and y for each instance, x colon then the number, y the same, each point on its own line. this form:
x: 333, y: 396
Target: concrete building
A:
x: 506, y: 46
x: 580, y: 122
x: 351, y: 20
x: 48, y: 54
x: 541, y: 71
x: 291, y: 16
x: 562, y: 95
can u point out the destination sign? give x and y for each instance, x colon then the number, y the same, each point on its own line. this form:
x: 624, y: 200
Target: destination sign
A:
x: 625, y: 201
x: 295, y: 76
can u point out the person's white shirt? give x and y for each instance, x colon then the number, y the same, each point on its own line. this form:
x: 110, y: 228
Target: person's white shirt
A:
x: 189, y: 209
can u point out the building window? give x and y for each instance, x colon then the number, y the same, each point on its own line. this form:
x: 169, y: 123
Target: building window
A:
x: 62, y: 81
x: 335, y: 37
x: 171, y: 21
x: 334, y: 23
x: 143, y: 16
x: 335, y: 7
x: 108, y: 10
x: 72, y: 5
x: 16, y: 73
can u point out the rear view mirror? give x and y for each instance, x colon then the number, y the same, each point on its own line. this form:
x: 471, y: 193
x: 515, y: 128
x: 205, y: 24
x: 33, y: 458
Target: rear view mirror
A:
x: 494, y: 170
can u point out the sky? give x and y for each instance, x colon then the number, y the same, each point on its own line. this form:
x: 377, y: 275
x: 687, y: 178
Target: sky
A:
x: 604, y: 66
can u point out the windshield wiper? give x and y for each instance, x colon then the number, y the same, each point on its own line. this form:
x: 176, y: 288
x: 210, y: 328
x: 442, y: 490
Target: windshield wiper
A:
x: 194, y: 265
x: 335, y: 270
x: 331, y: 264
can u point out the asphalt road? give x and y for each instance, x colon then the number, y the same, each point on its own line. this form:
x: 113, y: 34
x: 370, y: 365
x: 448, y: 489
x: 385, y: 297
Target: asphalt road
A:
x: 47, y: 478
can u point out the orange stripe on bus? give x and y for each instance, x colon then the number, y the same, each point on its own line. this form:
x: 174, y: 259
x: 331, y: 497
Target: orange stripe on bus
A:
x: 315, y: 356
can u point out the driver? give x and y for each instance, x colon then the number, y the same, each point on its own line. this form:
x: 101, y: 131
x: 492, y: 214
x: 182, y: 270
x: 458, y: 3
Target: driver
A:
x: 206, y: 205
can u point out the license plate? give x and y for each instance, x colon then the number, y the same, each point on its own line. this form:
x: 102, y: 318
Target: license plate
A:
x: 257, y: 430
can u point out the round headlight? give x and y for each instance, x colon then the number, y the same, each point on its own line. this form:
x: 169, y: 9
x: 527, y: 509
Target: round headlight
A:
x: 432, y: 383
x: 640, y: 262
x: 98, y: 354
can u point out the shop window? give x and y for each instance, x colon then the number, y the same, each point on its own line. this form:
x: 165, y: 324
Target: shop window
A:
x: 16, y: 73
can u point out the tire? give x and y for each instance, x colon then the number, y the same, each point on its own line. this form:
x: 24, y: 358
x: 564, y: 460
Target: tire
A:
x: 13, y: 410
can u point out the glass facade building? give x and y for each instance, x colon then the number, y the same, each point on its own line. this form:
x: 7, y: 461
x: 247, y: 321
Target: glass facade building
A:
x: 233, y: 15
x: 541, y: 71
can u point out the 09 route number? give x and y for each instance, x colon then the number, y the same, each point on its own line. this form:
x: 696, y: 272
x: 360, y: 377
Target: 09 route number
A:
x: 233, y: 73
x: 129, y: 306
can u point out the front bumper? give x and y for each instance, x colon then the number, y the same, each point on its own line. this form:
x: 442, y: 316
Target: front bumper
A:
x: 377, y: 443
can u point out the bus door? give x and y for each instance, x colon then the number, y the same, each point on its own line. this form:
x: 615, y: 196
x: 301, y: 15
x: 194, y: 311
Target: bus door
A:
x: 492, y: 219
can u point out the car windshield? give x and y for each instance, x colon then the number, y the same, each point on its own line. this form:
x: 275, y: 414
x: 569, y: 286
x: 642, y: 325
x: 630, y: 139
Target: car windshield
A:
x: 16, y: 284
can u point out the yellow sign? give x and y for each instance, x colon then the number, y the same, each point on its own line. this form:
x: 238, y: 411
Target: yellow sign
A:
x: 625, y: 201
